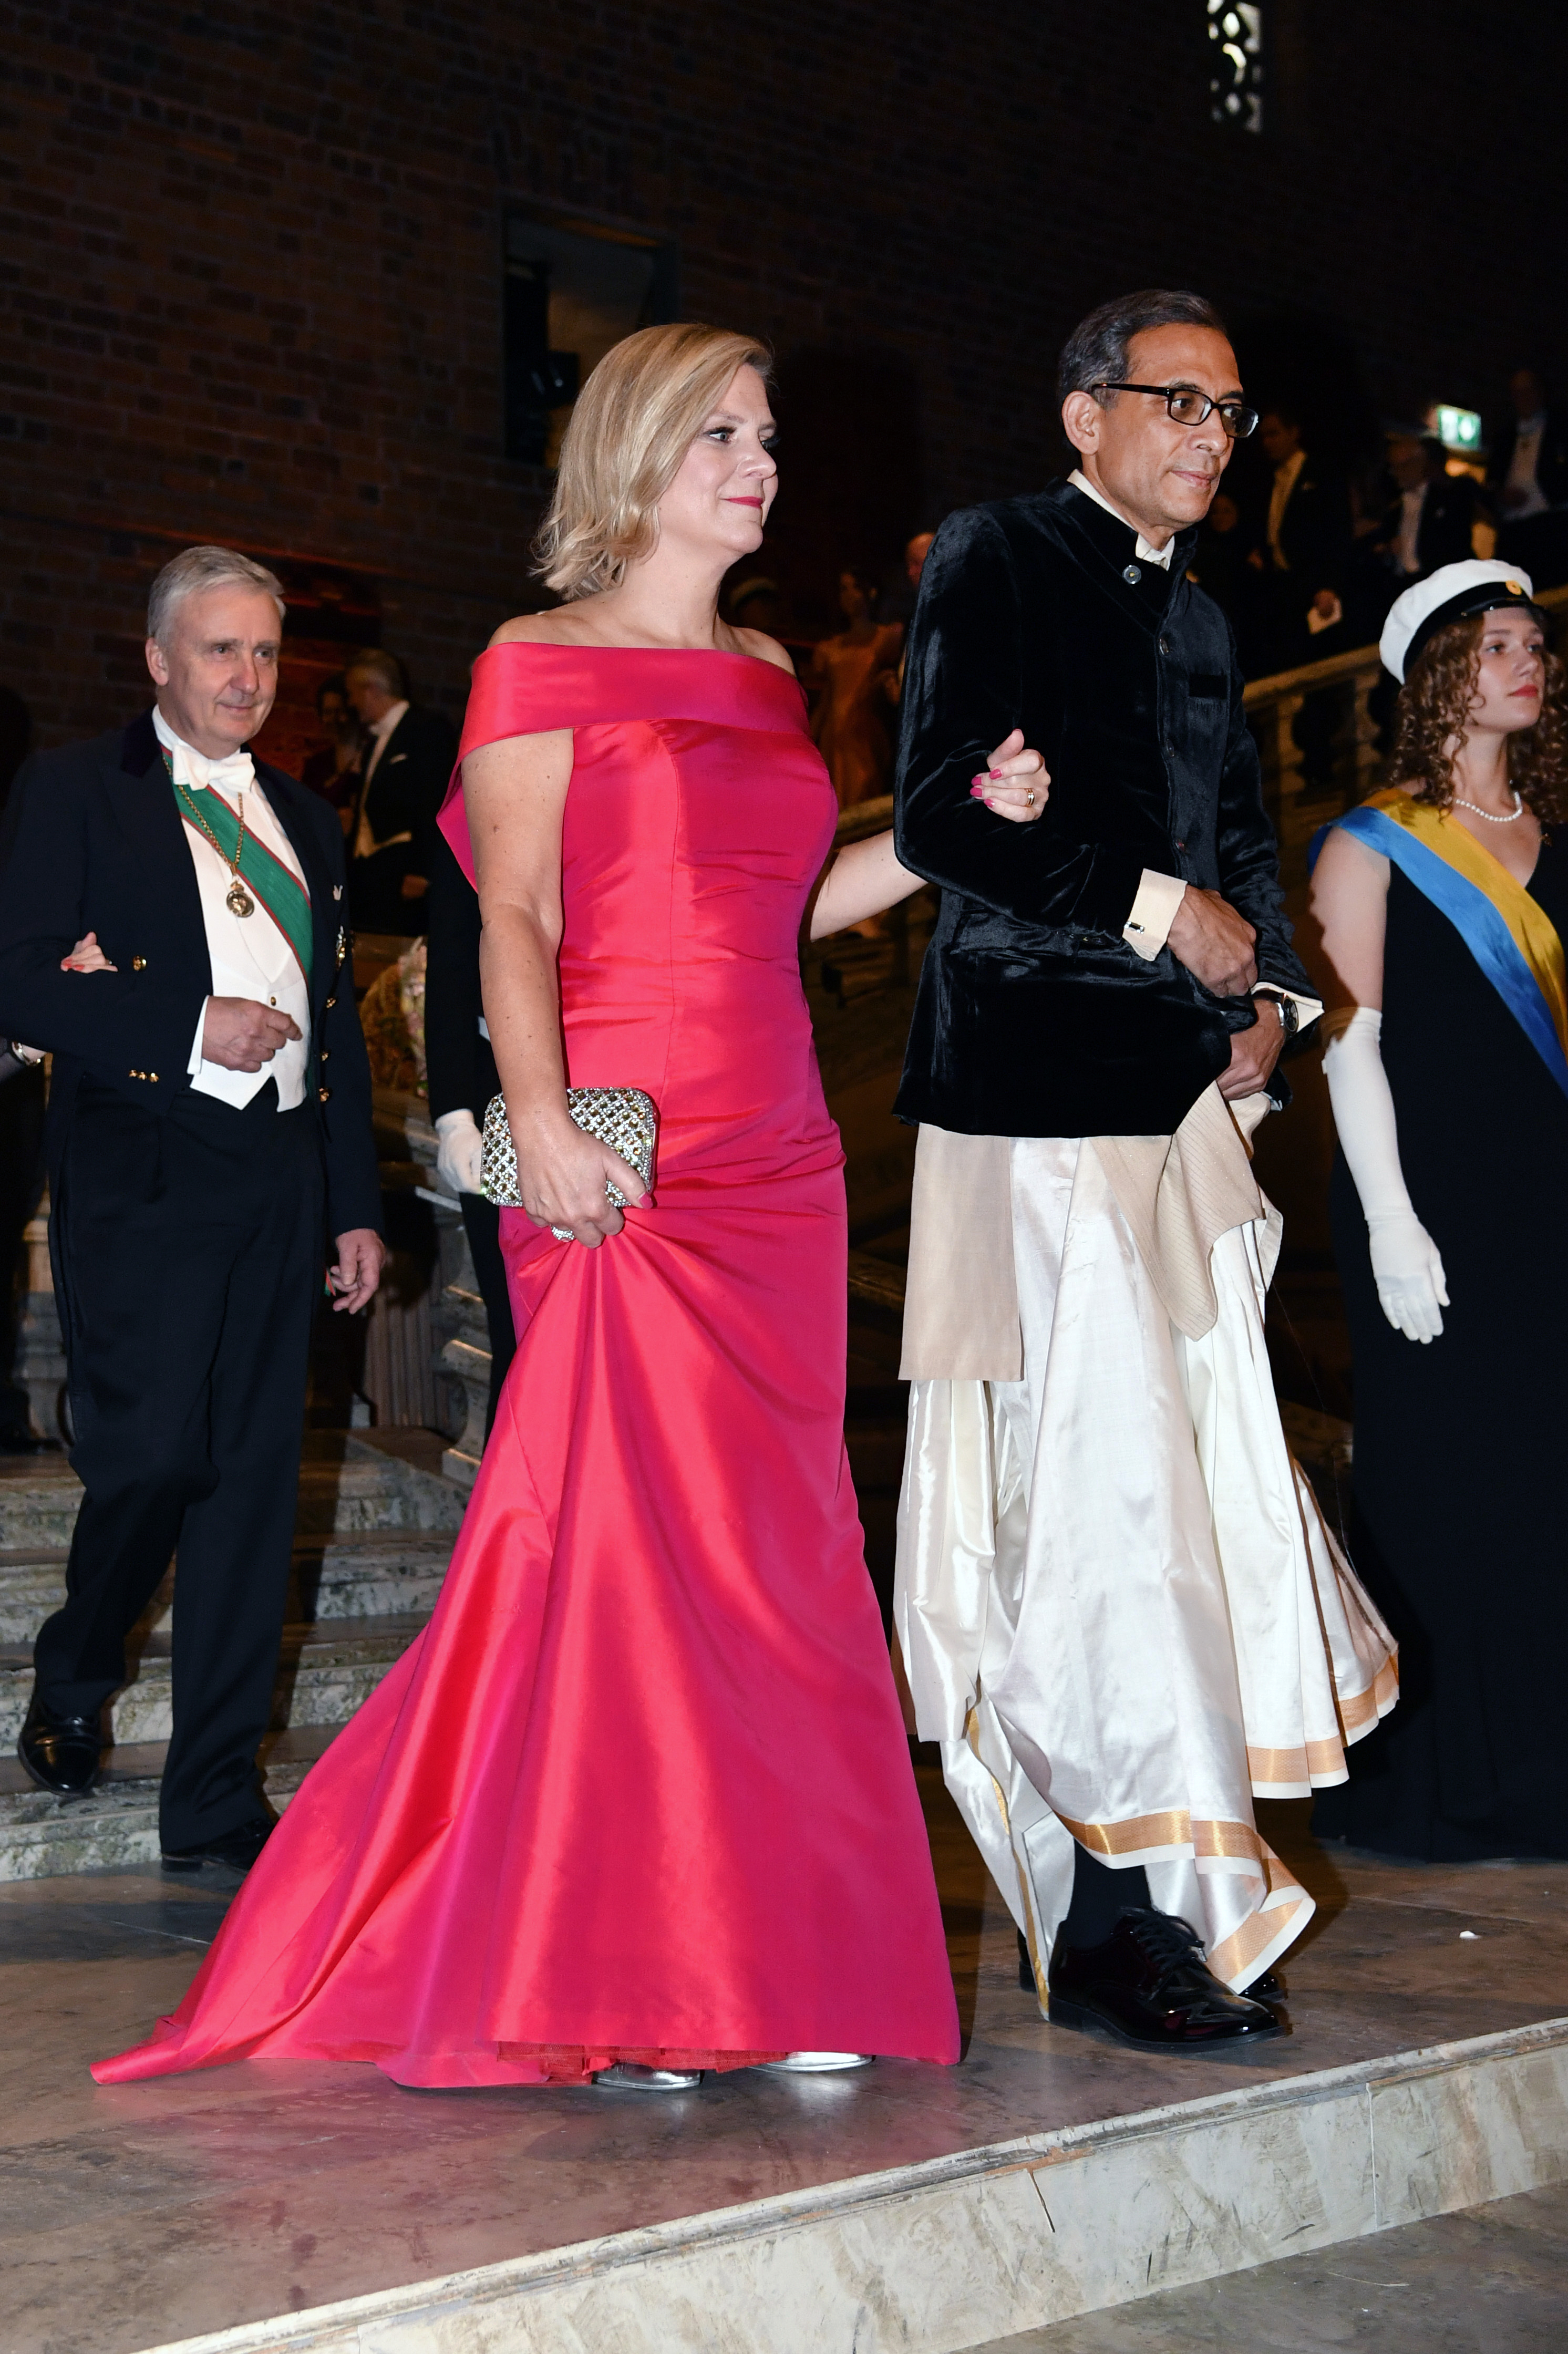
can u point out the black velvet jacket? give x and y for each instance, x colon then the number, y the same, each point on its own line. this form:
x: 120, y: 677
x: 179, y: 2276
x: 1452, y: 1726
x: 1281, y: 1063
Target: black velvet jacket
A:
x: 1034, y: 1017
x: 93, y: 842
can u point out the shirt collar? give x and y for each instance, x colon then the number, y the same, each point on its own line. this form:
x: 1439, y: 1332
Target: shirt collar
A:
x: 1145, y: 554
x: 236, y: 769
x: 381, y: 728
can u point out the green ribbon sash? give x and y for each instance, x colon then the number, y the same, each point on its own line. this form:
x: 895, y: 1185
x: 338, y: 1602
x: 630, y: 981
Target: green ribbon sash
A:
x: 277, y: 891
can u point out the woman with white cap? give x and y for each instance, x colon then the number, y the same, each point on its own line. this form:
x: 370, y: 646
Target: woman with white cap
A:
x: 1440, y: 908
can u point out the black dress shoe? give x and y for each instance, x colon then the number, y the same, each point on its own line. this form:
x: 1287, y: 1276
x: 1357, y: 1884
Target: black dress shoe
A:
x: 1149, y: 1985
x: 1267, y: 1988
x: 236, y: 1851
x: 62, y: 1753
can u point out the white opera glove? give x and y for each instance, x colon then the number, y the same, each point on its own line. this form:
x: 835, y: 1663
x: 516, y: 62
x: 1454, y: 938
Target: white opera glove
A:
x: 1412, y: 1288
x: 459, y: 1151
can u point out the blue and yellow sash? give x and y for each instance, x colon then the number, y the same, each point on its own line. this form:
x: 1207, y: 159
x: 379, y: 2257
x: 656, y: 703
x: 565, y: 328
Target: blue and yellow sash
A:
x: 1510, y: 936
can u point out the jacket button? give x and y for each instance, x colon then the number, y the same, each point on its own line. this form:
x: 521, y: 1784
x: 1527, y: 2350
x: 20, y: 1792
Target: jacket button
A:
x: 138, y: 964
x: 330, y: 1003
x: 1180, y: 845
x: 324, y: 1095
x: 1132, y: 576
x: 322, y: 1056
x: 153, y: 1076
x: 1164, y: 645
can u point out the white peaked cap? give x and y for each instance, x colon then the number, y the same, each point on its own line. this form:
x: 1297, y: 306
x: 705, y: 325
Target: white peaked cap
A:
x: 1455, y: 592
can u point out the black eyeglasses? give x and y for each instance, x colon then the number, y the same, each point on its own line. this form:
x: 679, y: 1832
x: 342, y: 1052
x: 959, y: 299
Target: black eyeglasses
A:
x: 1186, y: 406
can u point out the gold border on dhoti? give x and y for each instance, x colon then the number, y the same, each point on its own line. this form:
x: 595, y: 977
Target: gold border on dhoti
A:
x: 1315, y: 1762
x: 1175, y: 1828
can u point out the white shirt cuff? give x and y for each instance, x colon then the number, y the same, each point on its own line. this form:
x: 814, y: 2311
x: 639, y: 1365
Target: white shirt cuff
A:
x: 1308, y: 1009
x: 1148, y: 927
x: 194, y: 1066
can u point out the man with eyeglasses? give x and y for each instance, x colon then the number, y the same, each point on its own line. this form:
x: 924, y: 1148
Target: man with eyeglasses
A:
x: 1121, y: 1615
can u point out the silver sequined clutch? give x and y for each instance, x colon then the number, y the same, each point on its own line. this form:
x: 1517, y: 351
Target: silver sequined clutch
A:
x: 622, y: 1117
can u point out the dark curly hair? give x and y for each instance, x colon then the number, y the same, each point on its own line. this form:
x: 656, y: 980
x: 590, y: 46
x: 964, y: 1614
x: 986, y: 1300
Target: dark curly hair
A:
x: 1435, y: 706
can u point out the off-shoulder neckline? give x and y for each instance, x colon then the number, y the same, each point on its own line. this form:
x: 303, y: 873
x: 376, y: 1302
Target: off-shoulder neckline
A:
x: 718, y: 653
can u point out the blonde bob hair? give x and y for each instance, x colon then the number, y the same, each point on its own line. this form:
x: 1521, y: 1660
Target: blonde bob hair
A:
x: 634, y: 421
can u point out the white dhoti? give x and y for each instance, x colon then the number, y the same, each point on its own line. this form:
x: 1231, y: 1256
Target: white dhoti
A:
x: 1121, y: 1613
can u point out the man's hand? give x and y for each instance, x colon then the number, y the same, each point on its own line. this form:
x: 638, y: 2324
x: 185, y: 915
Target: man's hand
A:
x: 1211, y: 940
x: 241, y: 1034
x: 1253, y: 1053
x: 361, y: 1255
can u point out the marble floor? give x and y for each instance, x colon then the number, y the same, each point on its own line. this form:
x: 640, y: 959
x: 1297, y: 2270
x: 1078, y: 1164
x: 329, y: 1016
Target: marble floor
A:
x: 139, y: 2214
x: 1492, y: 2280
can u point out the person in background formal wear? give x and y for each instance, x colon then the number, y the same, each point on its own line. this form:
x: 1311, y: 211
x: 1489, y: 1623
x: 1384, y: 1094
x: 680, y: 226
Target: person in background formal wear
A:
x: 173, y: 927
x: 1436, y: 518
x: 1220, y: 569
x: 334, y: 770
x: 1304, y: 561
x: 1528, y: 478
x: 848, y: 670
x: 21, y: 1143
x: 1120, y: 1612
x: 407, y: 767
x: 461, y: 1076
x: 915, y: 551
x: 757, y: 604
x: 637, y: 1802
x: 1440, y: 908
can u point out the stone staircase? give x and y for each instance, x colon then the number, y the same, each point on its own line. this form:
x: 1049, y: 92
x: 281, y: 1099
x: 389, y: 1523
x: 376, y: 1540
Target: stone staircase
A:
x: 372, y: 1537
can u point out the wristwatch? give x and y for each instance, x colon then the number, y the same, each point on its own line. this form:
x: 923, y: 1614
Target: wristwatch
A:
x: 1289, y: 1012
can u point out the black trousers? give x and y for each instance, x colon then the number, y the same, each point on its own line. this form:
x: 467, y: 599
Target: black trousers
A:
x: 483, y: 1221
x: 188, y: 1253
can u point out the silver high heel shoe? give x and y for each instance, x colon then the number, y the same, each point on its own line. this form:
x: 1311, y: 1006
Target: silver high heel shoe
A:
x: 631, y: 2077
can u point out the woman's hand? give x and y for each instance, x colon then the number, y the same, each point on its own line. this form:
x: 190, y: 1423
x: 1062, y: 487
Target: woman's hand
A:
x: 1017, y: 784
x: 87, y: 957
x: 562, y: 1175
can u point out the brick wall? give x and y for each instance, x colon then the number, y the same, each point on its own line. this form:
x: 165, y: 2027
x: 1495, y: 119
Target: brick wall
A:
x: 250, y: 259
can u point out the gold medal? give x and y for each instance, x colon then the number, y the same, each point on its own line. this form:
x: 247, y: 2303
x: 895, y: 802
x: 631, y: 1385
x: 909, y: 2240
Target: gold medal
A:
x: 239, y: 902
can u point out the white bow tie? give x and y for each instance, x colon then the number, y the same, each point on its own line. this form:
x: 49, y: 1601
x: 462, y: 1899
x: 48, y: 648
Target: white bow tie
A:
x: 234, y: 773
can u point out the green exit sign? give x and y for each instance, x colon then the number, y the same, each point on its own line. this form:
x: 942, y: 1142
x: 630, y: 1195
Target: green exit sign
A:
x: 1458, y: 428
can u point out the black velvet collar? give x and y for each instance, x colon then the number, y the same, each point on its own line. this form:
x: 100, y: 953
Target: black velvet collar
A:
x: 1108, y: 547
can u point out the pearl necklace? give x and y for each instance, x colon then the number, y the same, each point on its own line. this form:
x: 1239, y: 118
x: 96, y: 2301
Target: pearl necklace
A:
x: 1490, y: 815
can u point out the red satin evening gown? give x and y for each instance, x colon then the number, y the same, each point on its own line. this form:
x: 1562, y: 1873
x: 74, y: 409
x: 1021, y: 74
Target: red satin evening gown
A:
x: 641, y: 1789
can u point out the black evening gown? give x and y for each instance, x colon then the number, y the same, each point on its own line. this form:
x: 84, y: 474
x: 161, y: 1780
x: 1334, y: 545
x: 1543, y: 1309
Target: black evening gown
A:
x: 1459, y: 1447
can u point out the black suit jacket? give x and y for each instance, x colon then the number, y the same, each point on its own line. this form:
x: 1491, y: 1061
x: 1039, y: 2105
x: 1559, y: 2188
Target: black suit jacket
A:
x: 458, y: 1063
x: 411, y: 782
x: 1551, y: 464
x: 1314, y: 533
x: 93, y: 842
x: 1034, y: 1016
x: 1442, y: 536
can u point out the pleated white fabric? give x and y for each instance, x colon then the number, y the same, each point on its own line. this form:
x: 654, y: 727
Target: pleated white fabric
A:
x: 1120, y: 1611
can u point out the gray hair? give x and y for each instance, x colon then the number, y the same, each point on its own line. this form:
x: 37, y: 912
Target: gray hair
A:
x: 1096, y: 351
x: 376, y: 664
x: 196, y: 568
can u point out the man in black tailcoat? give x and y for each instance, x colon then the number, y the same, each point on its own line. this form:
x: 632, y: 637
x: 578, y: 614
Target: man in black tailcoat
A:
x: 1097, y: 1021
x: 407, y: 767
x: 173, y: 929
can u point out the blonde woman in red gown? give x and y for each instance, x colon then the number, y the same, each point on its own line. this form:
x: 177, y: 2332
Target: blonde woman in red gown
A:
x: 637, y: 1802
